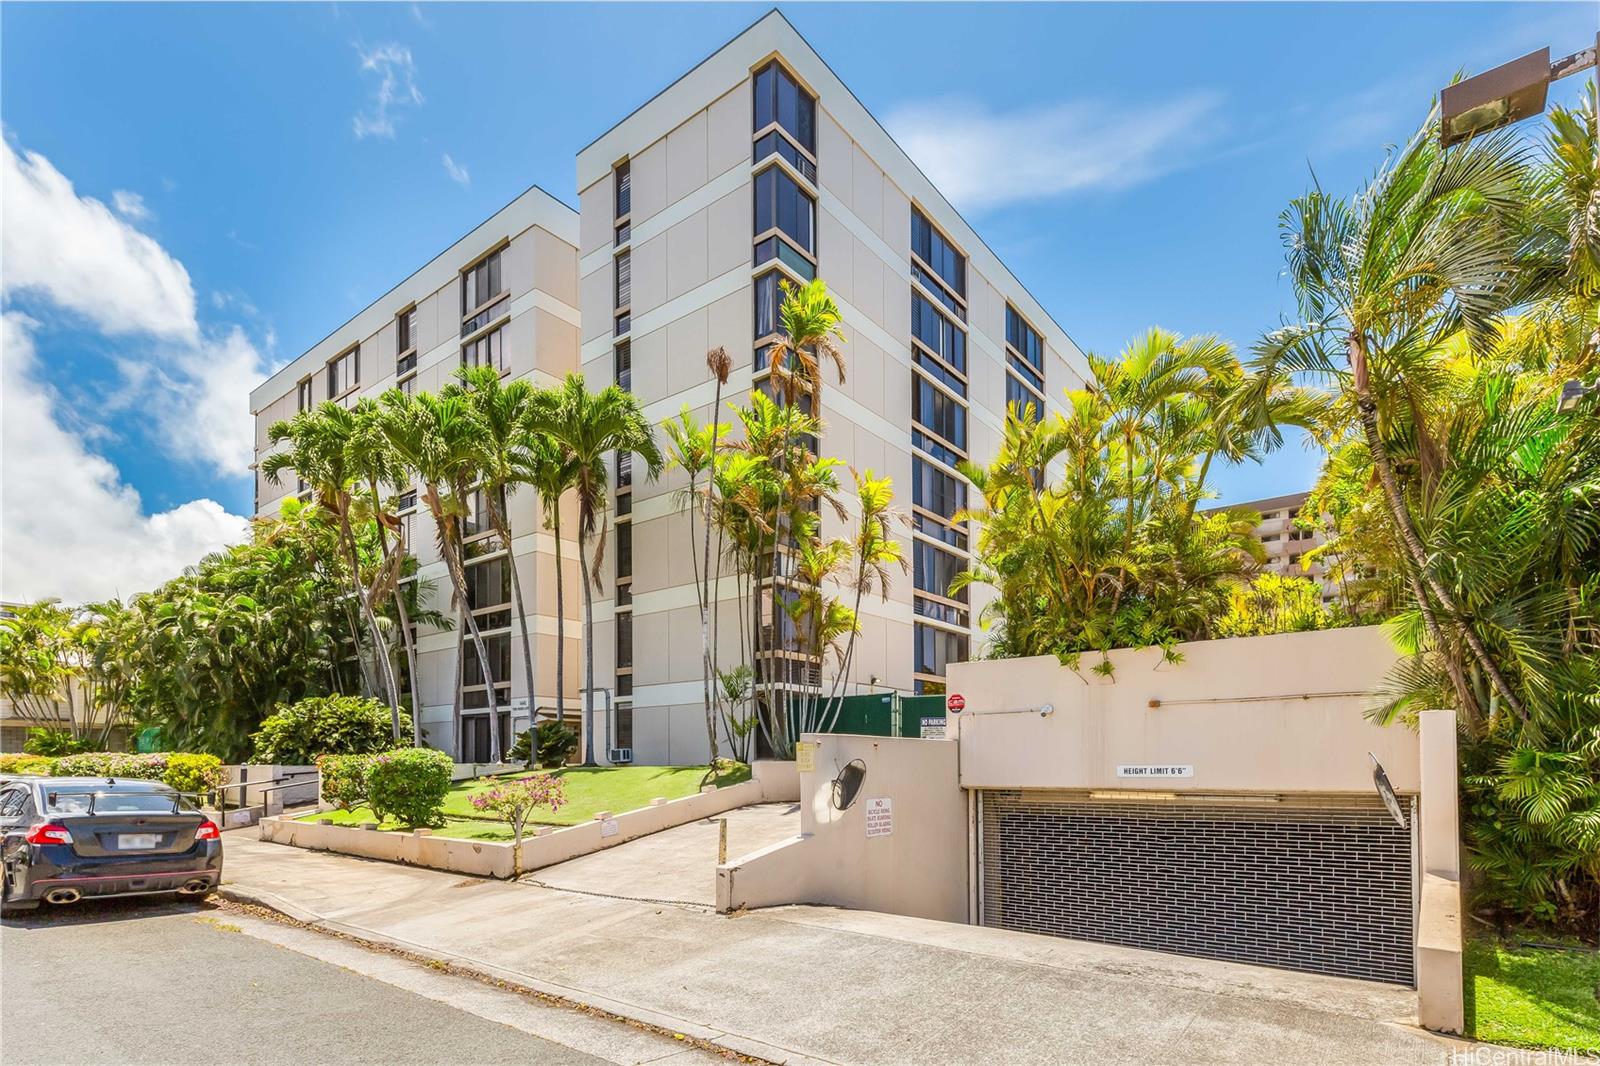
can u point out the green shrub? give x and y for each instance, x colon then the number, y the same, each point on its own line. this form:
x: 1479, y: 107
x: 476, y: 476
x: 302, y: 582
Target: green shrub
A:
x: 52, y: 742
x: 145, y: 766
x: 295, y: 734
x: 555, y: 744
x: 409, y: 785
x: 194, y: 773
x: 20, y: 763
x: 344, y: 779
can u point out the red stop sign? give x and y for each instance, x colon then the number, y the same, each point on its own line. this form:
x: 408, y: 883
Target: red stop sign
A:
x: 956, y: 702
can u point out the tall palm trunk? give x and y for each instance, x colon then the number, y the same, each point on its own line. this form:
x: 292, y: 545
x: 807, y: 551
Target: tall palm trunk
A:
x: 588, y: 656
x: 1383, y: 463
x: 380, y: 647
x: 561, y: 638
x: 502, y: 529
x: 458, y: 578
x: 408, y: 639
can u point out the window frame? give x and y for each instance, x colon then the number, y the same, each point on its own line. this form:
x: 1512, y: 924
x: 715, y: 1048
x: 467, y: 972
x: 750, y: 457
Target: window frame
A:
x: 351, y: 354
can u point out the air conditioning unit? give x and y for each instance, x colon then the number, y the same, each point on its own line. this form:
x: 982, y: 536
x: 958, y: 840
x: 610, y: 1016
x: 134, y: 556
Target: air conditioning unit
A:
x: 620, y: 755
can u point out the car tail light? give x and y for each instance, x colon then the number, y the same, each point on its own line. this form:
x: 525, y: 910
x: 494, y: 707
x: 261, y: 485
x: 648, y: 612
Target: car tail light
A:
x: 48, y: 833
x: 208, y: 831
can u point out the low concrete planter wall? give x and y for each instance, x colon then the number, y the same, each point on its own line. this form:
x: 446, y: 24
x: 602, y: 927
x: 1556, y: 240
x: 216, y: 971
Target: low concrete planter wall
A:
x: 769, y: 783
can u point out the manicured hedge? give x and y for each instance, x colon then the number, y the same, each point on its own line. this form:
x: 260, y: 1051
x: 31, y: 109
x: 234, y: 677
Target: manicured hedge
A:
x: 296, y: 734
x: 184, y: 771
x: 409, y: 785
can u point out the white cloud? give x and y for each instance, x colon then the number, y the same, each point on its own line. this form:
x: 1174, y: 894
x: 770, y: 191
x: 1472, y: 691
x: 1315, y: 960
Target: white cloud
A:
x: 981, y: 158
x: 69, y: 526
x: 75, y: 252
x: 457, y: 172
x: 72, y: 251
x: 131, y: 206
x: 396, y: 88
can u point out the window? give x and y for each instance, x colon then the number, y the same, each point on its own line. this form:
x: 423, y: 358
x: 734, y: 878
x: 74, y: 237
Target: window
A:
x: 624, y: 550
x: 1023, y: 339
x: 622, y: 282
x: 936, y: 410
x: 937, y: 649
x: 780, y: 99
x: 489, y: 584
x: 929, y: 245
x: 625, y: 640
x: 940, y: 293
x: 776, y: 144
x: 938, y: 333
x: 933, y: 569
x: 1019, y: 396
x: 624, y: 715
x: 487, y: 350
x: 781, y: 250
x: 304, y: 396
x: 624, y: 471
x: 498, y: 646
x: 405, y: 342
x: 783, y: 205
x: 623, y: 180
x: 950, y: 535
x: 480, y: 284
x: 622, y: 362
x: 344, y: 372
x: 768, y: 298
x: 934, y: 490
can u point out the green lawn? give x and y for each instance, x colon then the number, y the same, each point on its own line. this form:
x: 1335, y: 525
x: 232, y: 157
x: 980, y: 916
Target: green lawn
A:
x: 590, y: 790
x: 1533, y: 997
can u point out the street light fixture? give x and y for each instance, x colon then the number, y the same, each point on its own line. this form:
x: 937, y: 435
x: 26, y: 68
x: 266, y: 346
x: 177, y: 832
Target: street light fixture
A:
x: 1572, y: 392
x: 1506, y: 94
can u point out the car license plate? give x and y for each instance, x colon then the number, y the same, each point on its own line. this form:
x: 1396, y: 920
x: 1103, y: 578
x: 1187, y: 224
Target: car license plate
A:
x: 137, y: 841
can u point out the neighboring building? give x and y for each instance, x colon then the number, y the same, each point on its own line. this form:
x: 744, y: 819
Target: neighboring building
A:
x: 1286, y: 542
x: 77, y: 715
x: 756, y: 167
x: 504, y: 295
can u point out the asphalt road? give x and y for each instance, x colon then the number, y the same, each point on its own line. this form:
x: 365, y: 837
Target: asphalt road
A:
x: 155, y: 982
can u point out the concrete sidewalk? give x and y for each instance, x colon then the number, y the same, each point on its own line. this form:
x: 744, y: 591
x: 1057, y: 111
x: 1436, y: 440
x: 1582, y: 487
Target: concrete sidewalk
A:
x: 809, y: 984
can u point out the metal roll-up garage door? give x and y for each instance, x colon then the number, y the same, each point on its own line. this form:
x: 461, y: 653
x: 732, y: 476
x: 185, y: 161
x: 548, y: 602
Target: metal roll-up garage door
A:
x: 1322, y: 887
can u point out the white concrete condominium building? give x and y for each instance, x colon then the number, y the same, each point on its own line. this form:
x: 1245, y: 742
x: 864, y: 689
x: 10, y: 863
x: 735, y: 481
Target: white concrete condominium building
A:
x: 504, y: 295
x: 756, y: 167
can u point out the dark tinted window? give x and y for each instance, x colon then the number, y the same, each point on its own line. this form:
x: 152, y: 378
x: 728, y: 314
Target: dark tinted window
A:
x: 1024, y: 338
x: 938, y: 332
x: 480, y: 284
x: 937, y: 411
x: 1019, y: 397
x: 499, y: 648
x: 779, y: 99
x: 934, y: 490
x: 624, y: 181
x: 930, y: 246
x: 781, y: 204
x: 768, y: 298
x: 934, y: 569
x: 937, y: 649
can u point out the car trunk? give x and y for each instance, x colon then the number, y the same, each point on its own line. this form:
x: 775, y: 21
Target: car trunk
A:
x: 131, y: 833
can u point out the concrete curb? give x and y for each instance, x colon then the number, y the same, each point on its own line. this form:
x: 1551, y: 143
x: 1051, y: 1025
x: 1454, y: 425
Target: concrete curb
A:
x: 734, y: 1042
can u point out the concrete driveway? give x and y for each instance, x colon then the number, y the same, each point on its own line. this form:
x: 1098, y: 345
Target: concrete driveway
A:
x: 814, y: 984
x: 674, y: 866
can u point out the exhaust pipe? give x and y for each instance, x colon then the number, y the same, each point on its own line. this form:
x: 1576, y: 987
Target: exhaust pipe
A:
x: 195, y: 886
x: 62, y: 896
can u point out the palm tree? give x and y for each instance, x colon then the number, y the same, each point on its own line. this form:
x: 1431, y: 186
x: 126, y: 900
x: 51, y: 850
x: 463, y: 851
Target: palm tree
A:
x: 374, y: 464
x: 320, y: 454
x: 590, y: 425
x: 440, y: 438
x: 551, y: 470
x: 875, y: 550
x: 502, y: 409
x: 1384, y: 282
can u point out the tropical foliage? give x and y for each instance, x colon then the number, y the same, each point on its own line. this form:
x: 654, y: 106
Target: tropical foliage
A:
x: 295, y: 734
x: 1092, y: 532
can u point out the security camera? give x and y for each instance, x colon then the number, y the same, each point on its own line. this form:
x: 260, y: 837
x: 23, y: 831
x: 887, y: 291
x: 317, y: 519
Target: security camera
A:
x: 1047, y: 710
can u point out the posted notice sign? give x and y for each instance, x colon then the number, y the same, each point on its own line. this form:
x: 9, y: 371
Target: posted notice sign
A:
x: 880, y: 817
x: 933, y: 727
x: 805, y: 756
x: 1152, y: 772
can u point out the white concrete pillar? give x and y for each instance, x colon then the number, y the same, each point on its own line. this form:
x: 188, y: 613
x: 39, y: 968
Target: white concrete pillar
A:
x: 1441, y: 1000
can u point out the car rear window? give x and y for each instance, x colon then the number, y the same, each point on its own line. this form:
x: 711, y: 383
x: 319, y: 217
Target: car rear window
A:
x: 109, y: 802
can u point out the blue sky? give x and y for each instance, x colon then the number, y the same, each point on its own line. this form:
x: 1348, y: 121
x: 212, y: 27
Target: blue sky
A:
x: 197, y: 193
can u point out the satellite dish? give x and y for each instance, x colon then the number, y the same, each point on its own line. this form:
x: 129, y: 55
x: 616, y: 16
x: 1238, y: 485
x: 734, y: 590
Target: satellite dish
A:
x: 847, y: 786
x: 1380, y: 781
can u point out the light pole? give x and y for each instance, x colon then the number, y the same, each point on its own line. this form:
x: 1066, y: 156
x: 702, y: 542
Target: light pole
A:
x: 1506, y: 94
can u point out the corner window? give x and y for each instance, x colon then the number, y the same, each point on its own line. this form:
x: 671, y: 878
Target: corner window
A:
x: 487, y: 350
x: 779, y: 98
x: 480, y: 284
x: 782, y: 205
x: 304, y: 396
x: 940, y: 256
x: 622, y: 179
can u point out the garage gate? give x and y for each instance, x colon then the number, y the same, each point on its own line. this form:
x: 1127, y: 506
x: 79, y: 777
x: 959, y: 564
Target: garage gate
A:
x: 1326, y: 888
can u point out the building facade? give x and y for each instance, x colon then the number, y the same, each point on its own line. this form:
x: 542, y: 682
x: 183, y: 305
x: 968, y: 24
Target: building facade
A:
x: 505, y: 295
x: 756, y: 168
